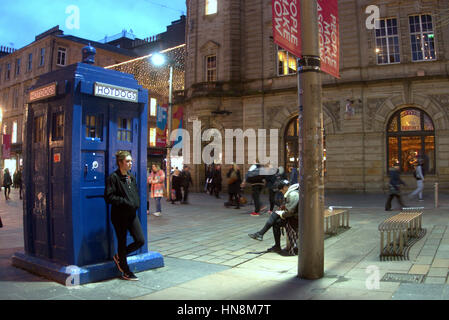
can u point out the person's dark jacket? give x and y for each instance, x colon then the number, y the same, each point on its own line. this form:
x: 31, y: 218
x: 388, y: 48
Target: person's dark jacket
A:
x: 122, y: 195
x: 216, y: 179
x: 7, y: 180
x: 186, y: 179
x: 235, y: 186
x: 176, y: 182
x: 395, y: 178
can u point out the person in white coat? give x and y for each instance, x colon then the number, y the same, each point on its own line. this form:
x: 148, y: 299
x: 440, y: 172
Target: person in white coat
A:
x: 419, y: 176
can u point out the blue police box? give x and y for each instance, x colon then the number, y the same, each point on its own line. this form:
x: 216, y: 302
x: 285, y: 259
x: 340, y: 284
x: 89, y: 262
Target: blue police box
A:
x: 77, y: 118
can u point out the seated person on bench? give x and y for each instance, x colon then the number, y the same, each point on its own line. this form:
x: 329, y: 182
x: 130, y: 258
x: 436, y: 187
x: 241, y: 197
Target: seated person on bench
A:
x: 278, y: 219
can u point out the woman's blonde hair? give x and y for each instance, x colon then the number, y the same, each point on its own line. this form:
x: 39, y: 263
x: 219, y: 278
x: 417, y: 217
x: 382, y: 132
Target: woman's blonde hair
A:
x: 120, y: 156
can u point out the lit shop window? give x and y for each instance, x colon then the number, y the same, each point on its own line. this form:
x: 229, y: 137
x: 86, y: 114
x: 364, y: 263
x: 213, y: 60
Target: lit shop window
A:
x: 387, y: 42
x: 14, y: 132
x: 153, y: 107
x: 286, y: 62
x: 152, y: 137
x: 422, y: 38
x: 211, y: 7
x: 411, y: 137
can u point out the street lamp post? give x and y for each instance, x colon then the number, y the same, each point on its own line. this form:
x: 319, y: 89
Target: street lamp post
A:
x: 158, y: 60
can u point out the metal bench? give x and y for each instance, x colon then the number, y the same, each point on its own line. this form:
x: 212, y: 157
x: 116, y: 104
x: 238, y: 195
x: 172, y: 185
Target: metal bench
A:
x: 336, y: 217
x: 398, y: 230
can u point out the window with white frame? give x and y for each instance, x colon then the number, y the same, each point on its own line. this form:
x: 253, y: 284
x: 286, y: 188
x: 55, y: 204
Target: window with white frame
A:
x: 62, y: 53
x: 211, y: 68
x: 422, y: 37
x: 387, y: 42
x: 153, y: 107
x: 286, y: 62
x: 211, y: 7
x: 14, y: 132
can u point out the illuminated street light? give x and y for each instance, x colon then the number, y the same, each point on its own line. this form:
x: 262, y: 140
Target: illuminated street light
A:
x: 158, y: 60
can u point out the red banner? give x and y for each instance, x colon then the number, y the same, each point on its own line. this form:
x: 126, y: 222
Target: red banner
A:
x: 286, y: 25
x: 287, y: 31
x: 328, y: 37
x: 6, y: 146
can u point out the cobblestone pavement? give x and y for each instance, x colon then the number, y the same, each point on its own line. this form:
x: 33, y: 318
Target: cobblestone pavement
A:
x: 206, y: 253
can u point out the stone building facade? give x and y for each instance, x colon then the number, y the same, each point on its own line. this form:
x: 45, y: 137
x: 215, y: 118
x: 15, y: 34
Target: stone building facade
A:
x: 20, y: 68
x: 390, y: 104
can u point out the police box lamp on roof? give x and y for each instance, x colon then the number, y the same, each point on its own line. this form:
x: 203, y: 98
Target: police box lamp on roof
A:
x: 89, y: 54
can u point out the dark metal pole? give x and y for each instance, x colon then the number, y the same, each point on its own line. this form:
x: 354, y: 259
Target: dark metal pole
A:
x: 169, y: 129
x: 311, y: 219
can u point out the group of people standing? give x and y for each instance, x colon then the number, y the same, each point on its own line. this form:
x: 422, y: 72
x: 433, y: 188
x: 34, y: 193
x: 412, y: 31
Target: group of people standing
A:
x: 180, y: 181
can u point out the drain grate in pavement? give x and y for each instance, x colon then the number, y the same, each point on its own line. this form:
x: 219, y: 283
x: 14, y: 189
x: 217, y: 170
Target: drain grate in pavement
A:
x: 403, y: 277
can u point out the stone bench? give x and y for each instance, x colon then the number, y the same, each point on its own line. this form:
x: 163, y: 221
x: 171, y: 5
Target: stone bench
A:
x: 396, y: 231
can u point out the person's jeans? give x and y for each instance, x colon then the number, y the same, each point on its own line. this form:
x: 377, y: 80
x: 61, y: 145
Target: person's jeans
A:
x: 256, y: 197
x: 135, y: 229
x: 390, y: 198
x: 158, y: 204
x: 276, y: 222
x: 186, y: 193
x: 419, y: 189
x: 7, y: 192
x: 272, y: 195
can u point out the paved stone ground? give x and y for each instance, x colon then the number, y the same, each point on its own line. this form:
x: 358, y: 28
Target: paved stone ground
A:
x: 205, y: 248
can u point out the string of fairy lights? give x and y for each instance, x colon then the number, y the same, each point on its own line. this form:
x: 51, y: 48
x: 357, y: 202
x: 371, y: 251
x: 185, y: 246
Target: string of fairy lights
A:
x: 156, y: 78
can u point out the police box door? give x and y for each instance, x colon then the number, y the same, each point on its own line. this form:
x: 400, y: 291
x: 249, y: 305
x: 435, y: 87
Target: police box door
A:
x: 124, y: 135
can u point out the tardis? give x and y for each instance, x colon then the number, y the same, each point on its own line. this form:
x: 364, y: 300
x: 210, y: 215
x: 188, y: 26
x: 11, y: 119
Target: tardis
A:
x: 77, y: 118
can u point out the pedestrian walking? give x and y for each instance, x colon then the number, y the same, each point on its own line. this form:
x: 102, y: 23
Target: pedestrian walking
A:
x: 272, y: 182
x: 7, y: 182
x: 257, y: 182
x: 122, y: 194
x: 216, y: 181
x: 278, y: 219
x: 157, y: 179
x: 20, y: 182
x: 419, y: 176
x: 177, y: 185
x: 293, y: 176
x: 186, y: 183
x: 234, y: 181
x: 394, y: 187
x: 209, y: 174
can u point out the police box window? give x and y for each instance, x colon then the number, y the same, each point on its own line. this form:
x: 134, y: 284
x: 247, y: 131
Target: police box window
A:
x: 94, y: 127
x: 38, y: 129
x: 58, y: 126
x: 124, y: 132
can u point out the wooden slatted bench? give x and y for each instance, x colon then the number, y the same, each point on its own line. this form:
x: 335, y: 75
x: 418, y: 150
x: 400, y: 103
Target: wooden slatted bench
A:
x: 398, y: 229
x: 334, y: 219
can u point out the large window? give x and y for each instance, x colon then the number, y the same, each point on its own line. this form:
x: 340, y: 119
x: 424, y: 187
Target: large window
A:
x: 30, y: 62
x: 211, y: 7
x: 8, y: 71
x: 387, y: 42
x: 18, y: 66
x: 411, y: 136
x: 152, y: 140
x: 286, y: 62
x: 211, y: 68
x: 14, y: 132
x: 422, y: 38
x: 292, y: 146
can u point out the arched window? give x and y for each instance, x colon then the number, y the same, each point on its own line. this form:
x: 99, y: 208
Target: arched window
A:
x: 292, y: 145
x: 410, y: 136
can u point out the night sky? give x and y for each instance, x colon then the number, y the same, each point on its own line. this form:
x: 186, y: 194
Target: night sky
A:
x: 22, y: 20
